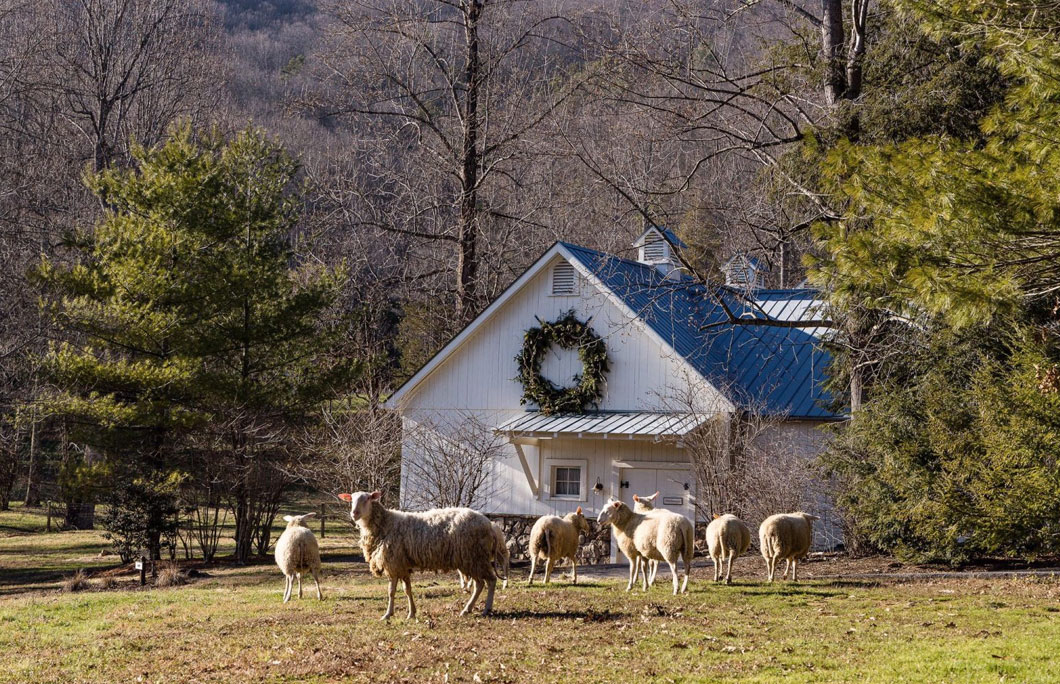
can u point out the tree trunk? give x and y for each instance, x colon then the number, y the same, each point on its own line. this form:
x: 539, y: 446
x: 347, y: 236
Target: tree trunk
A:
x: 32, y: 499
x: 855, y: 389
x: 467, y: 260
x: 831, y: 46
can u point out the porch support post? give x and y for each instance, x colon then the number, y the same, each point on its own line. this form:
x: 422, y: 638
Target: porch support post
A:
x: 535, y: 488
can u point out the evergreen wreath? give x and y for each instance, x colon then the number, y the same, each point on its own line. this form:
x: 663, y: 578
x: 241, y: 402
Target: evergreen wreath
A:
x: 569, y: 333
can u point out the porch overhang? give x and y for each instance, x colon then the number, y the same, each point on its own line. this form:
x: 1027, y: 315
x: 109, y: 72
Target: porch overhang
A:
x: 652, y: 426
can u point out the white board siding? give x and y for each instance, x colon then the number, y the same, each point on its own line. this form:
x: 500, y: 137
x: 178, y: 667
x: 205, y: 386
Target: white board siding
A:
x: 480, y: 374
x: 510, y: 492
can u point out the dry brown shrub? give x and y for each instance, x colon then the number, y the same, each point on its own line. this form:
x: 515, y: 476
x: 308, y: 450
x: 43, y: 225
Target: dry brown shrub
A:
x: 171, y: 576
x: 77, y: 582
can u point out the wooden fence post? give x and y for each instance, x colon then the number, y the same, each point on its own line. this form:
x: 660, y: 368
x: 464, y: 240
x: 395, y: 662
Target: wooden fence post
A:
x: 322, y: 509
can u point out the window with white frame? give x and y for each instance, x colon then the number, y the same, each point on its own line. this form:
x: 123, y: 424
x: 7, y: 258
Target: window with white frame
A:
x: 567, y: 479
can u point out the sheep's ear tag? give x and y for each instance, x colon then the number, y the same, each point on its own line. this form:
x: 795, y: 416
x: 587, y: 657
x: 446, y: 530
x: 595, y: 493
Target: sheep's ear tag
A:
x: 346, y: 497
x: 636, y: 498
x: 579, y: 511
x: 716, y: 516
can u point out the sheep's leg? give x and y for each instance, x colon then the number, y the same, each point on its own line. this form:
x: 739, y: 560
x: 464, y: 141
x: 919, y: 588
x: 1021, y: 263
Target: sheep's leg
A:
x: 688, y: 573
x: 632, y: 574
x: 316, y: 578
x: 771, y: 564
x: 717, y: 569
x: 787, y: 568
x: 533, y: 567
x: 674, y: 574
x: 287, y: 584
x: 574, y: 571
x: 408, y: 595
x: 654, y: 565
x: 474, y: 597
x: 299, y: 586
x: 644, y: 572
x: 795, y: 570
x: 728, y: 569
x: 491, y: 586
x: 549, y: 564
x: 391, y: 590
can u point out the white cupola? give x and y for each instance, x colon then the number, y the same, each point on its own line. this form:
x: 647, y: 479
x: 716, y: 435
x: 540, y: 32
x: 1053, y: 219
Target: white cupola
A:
x: 656, y: 246
x: 745, y: 272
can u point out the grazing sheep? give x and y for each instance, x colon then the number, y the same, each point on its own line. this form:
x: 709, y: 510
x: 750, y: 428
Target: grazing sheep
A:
x: 727, y: 538
x: 661, y: 535
x: 646, y: 504
x: 445, y: 539
x: 297, y: 552
x: 787, y: 536
x: 553, y: 538
x: 502, y: 560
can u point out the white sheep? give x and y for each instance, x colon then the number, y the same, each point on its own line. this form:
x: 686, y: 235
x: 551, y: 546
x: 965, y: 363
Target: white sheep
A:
x: 787, y: 536
x: 553, y: 538
x: 661, y: 535
x: 502, y: 559
x: 728, y: 537
x: 297, y: 552
x: 646, y: 504
x: 446, y: 539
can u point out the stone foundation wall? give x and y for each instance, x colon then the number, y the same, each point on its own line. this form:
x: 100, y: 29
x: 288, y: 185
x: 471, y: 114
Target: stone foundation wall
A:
x: 595, y: 547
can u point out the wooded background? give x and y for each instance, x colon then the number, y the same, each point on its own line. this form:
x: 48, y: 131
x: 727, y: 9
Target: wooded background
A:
x: 898, y: 153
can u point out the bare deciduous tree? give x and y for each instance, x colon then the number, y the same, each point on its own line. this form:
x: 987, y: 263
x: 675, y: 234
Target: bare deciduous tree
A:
x: 450, y: 462
x: 744, y: 462
x: 452, y: 93
x: 353, y: 450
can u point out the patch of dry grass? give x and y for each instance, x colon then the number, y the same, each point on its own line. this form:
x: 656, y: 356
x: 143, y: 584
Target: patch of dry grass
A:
x: 77, y: 582
x: 171, y: 576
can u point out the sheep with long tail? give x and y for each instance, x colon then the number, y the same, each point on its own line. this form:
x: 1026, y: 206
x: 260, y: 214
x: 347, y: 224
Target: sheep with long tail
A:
x: 446, y: 539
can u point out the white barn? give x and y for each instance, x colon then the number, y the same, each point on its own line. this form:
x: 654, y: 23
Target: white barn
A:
x: 675, y: 358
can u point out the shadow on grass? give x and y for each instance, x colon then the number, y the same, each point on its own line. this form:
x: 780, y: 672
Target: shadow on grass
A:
x: 578, y: 615
x: 33, y: 579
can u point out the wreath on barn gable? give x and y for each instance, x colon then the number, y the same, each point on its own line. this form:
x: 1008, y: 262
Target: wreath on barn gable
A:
x: 568, y: 333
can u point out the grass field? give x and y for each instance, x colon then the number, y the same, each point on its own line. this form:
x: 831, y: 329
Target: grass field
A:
x: 231, y: 626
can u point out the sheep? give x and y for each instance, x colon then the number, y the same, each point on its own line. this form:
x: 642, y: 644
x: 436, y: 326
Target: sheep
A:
x: 297, y: 552
x: 445, y: 539
x: 502, y: 557
x: 646, y: 504
x: 553, y: 538
x: 662, y: 535
x: 787, y: 536
x: 727, y: 537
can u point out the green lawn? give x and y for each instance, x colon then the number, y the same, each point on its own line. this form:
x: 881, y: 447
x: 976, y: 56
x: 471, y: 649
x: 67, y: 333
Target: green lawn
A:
x: 232, y: 626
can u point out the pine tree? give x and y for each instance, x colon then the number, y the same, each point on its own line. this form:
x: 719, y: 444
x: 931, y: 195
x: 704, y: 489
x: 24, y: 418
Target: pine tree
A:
x: 194, y: 331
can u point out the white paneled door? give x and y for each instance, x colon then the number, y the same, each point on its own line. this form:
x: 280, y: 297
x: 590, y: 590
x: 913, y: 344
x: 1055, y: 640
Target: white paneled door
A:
x: 671, y: 485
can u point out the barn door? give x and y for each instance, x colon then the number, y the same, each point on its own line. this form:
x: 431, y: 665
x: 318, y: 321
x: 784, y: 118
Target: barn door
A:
x: 669, y: 483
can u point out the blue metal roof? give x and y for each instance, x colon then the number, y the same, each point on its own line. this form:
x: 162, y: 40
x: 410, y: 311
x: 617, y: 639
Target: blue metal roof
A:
x: 779, y: 369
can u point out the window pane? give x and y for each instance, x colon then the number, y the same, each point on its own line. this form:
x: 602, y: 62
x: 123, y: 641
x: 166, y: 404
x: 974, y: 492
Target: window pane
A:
x: 567, y: 481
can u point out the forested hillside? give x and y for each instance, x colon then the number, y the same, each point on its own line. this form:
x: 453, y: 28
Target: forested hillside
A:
x: 414, y: 158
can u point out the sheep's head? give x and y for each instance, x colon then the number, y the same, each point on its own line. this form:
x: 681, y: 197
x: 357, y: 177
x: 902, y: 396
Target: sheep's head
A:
x: 361, y: 503
x: 297, y: 520
x: 643, y: 504
x: 579, y: 521
x: 611, y: 511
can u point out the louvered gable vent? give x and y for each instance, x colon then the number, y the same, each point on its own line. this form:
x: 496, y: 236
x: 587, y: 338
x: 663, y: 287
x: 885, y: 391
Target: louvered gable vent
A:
x: 564, y: 279
x: 655, y: 250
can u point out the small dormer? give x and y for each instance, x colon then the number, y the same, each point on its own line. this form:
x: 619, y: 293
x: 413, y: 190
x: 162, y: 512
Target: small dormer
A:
x: 745, y: 272
x: 655, y: 246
